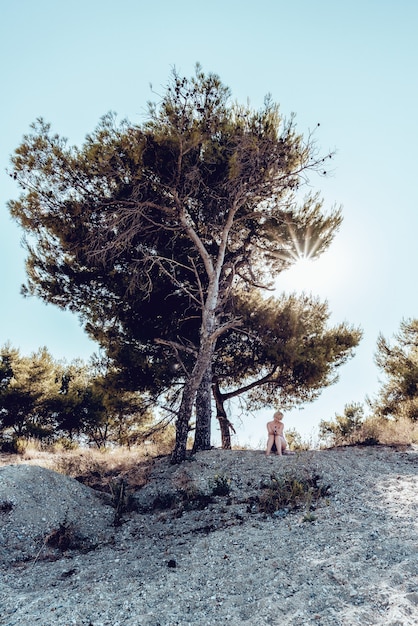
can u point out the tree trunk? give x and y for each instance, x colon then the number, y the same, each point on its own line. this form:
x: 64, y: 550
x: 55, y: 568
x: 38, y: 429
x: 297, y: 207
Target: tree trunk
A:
x: 182, y: 425
x: 224, y: 423
x: 203, y: 412
x: 202, y: 365
x: 203, y: 362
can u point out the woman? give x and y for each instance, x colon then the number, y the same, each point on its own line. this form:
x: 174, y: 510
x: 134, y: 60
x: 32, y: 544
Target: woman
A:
x: 275, y: 431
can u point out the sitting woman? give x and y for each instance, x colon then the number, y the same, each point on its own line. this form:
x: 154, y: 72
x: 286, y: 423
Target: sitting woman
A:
x: 276, y: 436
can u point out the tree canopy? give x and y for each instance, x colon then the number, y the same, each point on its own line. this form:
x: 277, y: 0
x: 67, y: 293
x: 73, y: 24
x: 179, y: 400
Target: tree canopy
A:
x: 286, y: 355
x: 398, y: 396
x: 153, y: 233
x: 49, y: 400
x: 344, y: 429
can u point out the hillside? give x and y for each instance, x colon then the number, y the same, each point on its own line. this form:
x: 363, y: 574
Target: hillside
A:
x: 207, y: 543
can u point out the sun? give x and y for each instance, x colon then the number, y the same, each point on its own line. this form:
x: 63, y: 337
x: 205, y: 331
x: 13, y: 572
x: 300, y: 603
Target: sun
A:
x: 316, y: 275
x: 316, y: 263
x: 303, y: 271
x: 304, y: 268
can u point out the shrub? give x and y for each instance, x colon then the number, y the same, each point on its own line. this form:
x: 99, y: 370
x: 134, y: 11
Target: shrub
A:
x: 295, y: 441
x: 6, y: 506
x: 220, y: 485
x: 291, y: 491
x: 344, y: 429
x: 63, y: 538
x: 353, y: 429
x: 386, y: 431
x: 66, y: 537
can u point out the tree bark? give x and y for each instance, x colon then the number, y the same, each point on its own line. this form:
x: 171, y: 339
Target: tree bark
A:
x: 224, y: 423
x: 203, y: 362
x: 182, y: 425
x: 203, y: 412
x: 208, y: 331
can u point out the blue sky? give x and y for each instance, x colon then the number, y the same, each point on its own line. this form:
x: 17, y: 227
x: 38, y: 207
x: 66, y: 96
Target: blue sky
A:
x: 349, y: 66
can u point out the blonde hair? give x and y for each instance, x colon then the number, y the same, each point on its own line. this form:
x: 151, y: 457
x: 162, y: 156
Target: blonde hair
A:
x: 278, y: 413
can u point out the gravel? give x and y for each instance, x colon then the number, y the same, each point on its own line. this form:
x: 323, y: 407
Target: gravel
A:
x: 184, y: 556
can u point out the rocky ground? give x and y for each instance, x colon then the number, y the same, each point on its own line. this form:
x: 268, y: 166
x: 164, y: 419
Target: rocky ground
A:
x: 197, y: 548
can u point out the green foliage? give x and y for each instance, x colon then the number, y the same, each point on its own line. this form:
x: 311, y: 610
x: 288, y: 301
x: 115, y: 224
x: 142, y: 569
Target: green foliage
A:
x: 220, y: 485
x: 344, y: 429
x: 291, y: 491
x: 398, y: 396
x: 353, y: 428
x: 53, y: 401
x: 295, y: 441
x: 152, y: 234
x: 160, y: 439
x: 25, y: 386
x: 286, y: 354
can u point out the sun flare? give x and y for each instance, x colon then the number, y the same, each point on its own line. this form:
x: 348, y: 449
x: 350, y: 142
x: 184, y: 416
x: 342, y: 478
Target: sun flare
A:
x: 311, y: 275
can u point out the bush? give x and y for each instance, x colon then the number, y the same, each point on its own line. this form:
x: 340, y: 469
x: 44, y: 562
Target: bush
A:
x: 386, y: 431
x: 220, y: 485
x: 291, y: 491
x: 344, y: 429
x: 353, y: 429
x: 295, y: 441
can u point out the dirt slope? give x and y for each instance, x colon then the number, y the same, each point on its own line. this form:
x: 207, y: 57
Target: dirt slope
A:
x: 187, y: 556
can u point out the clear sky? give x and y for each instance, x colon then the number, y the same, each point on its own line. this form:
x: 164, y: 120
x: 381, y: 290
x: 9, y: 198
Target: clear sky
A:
x: 350, y: 66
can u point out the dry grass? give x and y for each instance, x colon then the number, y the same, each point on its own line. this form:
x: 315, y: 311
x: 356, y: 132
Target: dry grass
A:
x: 387, y: 432
x: 95, y: 468
x: 102, y: 469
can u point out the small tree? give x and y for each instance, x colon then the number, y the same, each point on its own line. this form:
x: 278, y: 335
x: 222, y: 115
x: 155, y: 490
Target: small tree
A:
x: 48, y: 400
x: 295, y: 441
x: 26, y: 385
x: 127, y: 418
x: 344, y: 428
x: 398, y: 396
x: 76, y: 406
